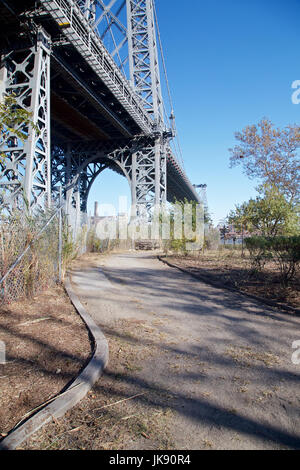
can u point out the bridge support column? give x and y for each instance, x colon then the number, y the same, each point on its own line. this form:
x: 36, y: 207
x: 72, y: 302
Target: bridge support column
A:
x: 68, y: 179
x: 25, y: 170
x: 148, y: 178
x: 142, y: 161
x: 75, y: 168
x: 161, y: 174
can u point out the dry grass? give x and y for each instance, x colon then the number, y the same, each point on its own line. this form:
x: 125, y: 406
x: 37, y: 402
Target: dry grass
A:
x: 46, y: 346
x: 245, y: 356
x: 228, y: 268
x: 37, y: 269
x: 119, y: 413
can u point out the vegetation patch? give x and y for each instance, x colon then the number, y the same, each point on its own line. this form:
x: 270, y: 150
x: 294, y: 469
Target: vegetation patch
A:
x: 228, y: 268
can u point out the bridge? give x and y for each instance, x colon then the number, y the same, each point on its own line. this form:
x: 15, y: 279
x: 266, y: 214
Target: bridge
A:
x: 88, y: 71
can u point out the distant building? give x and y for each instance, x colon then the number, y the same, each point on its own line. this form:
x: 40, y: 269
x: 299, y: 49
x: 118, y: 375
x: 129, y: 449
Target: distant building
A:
x: 122, y: 217
x: 232, y: 237
x: 97, y: 218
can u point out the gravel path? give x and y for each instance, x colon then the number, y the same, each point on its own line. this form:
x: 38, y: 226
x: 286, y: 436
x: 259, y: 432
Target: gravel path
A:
x: 219, y: 361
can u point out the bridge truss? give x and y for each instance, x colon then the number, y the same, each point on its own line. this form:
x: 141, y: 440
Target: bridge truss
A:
x: 88, y: 71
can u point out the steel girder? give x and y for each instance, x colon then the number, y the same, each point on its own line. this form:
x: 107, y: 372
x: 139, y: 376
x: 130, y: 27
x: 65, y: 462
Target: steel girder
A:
x: 145, y: 160
x: 86, y: 41
x: 143, y: 57
x: 88, y: 8
x: 141, y: 160
x: 25, y: 170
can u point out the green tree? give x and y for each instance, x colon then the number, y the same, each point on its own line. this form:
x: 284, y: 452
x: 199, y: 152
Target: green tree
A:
x: 239, y: 219
x: 198, y: 220
x: 194, y: 204
x: 270, y: 155
x: 14, y: 123
x: 224, y: 230
x: 270, y: 216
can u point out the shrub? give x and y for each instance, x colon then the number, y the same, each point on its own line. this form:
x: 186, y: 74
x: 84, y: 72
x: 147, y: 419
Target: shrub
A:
x: 284, y: 251
x: 211, y: 238
x: 37, y: 269
x: 257, y: 247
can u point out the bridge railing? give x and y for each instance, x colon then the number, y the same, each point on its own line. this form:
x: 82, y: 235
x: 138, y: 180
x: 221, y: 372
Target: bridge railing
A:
x: 80, y: 34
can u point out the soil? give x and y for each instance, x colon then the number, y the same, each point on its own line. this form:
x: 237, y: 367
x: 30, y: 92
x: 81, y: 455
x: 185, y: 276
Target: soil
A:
x: 46, y: 345
x: 191, y: 366
x: 229, y: 269
x: 118, y: 413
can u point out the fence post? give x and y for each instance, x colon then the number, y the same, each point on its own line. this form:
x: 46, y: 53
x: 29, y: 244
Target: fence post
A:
x: 77, y: 216
x: 60, y: 237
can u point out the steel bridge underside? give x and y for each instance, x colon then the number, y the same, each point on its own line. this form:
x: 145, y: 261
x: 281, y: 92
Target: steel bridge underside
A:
x: 86, y: 115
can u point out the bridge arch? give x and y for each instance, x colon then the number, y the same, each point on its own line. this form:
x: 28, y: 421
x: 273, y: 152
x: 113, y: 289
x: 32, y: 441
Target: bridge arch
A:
x: 84, y: 174
x: 93, y: 175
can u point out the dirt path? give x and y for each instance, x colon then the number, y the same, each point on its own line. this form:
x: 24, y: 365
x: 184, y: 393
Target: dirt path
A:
x: 202, y: 367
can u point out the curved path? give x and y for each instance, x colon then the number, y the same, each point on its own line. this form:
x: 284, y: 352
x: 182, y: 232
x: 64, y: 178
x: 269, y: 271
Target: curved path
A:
x: 224, y: 360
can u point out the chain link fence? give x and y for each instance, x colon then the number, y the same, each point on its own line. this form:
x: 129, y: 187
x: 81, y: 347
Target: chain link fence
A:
x: 35, y: 249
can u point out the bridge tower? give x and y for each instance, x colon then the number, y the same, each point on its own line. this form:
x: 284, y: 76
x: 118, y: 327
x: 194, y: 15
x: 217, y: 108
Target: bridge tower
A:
x: 145, y: 78
x: 25, y: 172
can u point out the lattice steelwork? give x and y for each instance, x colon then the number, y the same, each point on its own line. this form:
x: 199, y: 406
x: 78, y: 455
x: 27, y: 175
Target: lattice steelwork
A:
x: 88, y: 7
x: 26, y: 168
x: 106, y: 101
x: 141, y: 160
x: 143, y: 57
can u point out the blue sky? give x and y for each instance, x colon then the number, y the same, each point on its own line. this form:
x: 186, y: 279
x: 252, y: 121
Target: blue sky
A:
x: 230, y: 63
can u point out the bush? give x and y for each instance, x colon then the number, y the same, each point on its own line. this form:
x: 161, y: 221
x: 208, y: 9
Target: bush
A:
x: 37, y: 269
x: 284, y: 251
x: 179, y: 246
x: 211, y: 238
x: 257, y: 247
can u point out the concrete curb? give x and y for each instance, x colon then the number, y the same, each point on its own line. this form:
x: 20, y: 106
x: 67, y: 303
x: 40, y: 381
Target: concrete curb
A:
x: 219, y: 285
x: 75, y: 391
